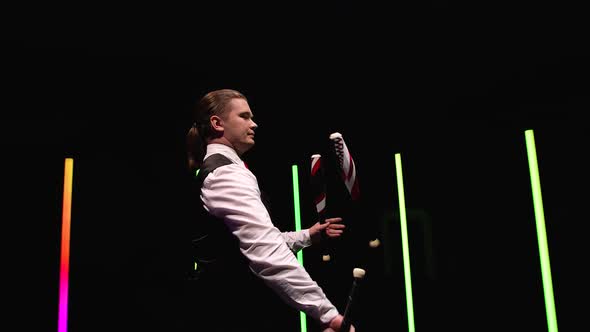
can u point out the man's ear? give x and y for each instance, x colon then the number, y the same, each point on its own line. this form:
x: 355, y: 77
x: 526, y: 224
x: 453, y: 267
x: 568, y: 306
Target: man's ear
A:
x: 216, y: 123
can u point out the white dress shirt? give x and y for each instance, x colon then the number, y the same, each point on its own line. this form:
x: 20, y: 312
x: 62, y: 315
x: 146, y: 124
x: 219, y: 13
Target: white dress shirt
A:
x: 231, y: 193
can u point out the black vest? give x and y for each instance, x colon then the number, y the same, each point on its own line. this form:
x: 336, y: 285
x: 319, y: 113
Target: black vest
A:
x: 223, y: 278
x: 221, y: 293
x: 215, y: 249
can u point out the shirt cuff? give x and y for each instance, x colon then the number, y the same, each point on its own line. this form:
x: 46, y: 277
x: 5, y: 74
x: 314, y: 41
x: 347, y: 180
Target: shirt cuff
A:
x: 327, y: 317
x: 306, y: 238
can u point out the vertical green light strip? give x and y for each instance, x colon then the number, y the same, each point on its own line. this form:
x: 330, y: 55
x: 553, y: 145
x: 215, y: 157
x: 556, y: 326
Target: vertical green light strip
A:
x: 405, y: 246
x: 302, y: 317
x: 541, y: 231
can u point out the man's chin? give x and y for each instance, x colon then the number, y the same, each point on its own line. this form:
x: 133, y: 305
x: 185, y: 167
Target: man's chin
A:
x: 246, y: 146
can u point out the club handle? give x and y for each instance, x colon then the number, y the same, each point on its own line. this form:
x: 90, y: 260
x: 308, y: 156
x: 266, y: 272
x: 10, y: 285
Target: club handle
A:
x: 358, y: 275
x: 323, y: 241
x: 346, y: 320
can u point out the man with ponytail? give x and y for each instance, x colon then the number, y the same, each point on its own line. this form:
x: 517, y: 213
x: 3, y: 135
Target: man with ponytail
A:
x: 246, y: 267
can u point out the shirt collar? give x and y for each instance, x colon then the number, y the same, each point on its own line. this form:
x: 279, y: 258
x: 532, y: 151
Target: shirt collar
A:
x: 224, y: 150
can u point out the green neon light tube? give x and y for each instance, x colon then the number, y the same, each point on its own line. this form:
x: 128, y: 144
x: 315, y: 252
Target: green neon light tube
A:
x: 302, y: 317
x: 541, y: 231
x: 405, y: 246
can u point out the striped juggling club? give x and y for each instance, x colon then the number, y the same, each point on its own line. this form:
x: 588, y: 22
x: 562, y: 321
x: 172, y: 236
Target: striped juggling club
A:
x: 318, y: 187
x: 346, y: 163
x: 348, y: 172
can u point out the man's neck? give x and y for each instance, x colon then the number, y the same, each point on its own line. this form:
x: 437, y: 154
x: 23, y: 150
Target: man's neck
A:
x: 224, y: 141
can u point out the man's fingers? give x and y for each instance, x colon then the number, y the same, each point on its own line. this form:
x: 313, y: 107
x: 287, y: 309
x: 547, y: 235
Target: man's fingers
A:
x: 334, y: 232
x: 337, y: 226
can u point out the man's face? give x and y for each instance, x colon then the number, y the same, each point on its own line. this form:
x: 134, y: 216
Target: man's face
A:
x: 238, y: 126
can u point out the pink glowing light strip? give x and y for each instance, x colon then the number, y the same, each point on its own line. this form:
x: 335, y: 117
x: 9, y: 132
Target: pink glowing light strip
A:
x: 64, y: 266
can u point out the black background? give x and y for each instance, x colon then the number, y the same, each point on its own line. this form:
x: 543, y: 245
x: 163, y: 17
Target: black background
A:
x: 451, y: 86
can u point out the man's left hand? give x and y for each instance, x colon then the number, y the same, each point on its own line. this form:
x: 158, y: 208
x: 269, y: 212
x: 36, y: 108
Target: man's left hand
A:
x: 333, y: 228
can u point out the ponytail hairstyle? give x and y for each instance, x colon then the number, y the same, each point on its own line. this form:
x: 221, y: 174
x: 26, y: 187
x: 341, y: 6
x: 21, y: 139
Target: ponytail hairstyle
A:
x: 197, y: 137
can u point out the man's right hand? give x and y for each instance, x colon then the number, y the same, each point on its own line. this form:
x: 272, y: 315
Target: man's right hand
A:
x: 335, y: 324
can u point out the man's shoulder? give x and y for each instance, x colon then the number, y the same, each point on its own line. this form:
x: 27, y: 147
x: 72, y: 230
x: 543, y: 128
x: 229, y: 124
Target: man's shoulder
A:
x: 219, y: 165
x: 214, y: 161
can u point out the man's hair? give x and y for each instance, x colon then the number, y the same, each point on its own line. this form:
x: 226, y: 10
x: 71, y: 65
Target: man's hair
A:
x: 213, y: 103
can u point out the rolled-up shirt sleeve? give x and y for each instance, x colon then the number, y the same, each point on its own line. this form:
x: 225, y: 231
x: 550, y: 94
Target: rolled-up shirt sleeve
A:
x: 231, y: 193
